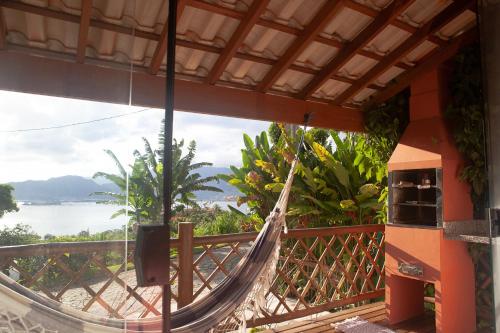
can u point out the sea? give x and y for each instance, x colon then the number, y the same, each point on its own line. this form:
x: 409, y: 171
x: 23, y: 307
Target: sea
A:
x: 69, y: 218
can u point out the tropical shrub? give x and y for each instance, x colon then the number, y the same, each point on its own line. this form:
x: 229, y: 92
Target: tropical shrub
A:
x: 226, y: 222
x: 328, y: 188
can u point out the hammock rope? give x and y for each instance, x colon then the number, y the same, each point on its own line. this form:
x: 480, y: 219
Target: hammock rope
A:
x: 244, y: 289
x: 242, y: 292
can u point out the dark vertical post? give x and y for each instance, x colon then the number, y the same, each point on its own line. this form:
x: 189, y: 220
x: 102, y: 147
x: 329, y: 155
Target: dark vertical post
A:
x: 167, y: 147
x: 489, y: 15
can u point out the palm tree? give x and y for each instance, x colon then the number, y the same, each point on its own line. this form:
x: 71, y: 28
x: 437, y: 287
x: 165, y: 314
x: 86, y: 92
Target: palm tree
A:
x: 146, y: 182
x: 140, y: 206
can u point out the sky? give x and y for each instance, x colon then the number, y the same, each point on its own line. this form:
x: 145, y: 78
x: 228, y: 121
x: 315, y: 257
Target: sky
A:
x: 79, y: 150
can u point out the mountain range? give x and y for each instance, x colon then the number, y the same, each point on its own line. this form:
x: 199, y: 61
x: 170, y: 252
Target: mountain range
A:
x: 77, y: 188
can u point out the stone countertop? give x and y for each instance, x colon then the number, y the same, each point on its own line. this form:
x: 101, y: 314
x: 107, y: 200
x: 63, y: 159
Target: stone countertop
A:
x: 473, y: 231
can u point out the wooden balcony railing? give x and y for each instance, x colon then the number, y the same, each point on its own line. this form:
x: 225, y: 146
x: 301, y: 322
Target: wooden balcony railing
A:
x: 319, y: 269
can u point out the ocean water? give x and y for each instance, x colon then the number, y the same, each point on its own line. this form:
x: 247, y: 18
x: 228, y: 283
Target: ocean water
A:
x: 70, y: 218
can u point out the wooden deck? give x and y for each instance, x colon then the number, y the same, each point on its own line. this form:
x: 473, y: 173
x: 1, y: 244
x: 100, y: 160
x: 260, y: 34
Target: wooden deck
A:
x: 374, y: 313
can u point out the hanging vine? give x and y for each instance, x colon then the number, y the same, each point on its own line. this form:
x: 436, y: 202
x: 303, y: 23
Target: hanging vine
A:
x: 385, y: 123
x: 465, y: 114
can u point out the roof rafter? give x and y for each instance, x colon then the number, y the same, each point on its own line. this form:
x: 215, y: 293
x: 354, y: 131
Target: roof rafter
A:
x: 431, y: 27
x: 238, y: 37
x: 385, y: 17
x: 238, y: 15
x: 266, y: 61
x: 58, y: 15
x: 317, y: 24
x: 161, y: 48
x: 156, y: 37
x: 437, y: 57
x: 83, y: 30
x: 368, y: 11
x: 212, y: 7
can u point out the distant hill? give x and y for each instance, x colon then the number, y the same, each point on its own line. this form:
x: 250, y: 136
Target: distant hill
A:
x: 60, y: 189
x: 76, y: 188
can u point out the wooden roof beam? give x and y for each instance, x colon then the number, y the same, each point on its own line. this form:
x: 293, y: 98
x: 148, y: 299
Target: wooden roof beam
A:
x: 58, y: 15
x: 238, y: 37
x: 218, y: 9
x: 49, y: 76
x: 161, y: 48
x: 368, y: 11
x: 387, y: 15
x: 437, y: 57
x: 431, y: 27
x: 238, y: 15
x: 155, y: 37
x: 266, y: 61
x: 83, y: 30
x: 307, y: 36
x: 212, y: 7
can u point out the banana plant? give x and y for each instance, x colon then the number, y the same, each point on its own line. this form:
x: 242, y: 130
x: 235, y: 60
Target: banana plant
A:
x: 145, y: 202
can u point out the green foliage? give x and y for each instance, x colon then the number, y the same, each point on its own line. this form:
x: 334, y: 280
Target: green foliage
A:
x: 85, y: 236
x: 328, y: 187
x: 18, y: 235
x: 466, y: 114
x: 226, y: 222
x: 7, y: 202
x: 146, y: 181
x: 196, y: 215
x: 23, y: 234
x: 385, y: 123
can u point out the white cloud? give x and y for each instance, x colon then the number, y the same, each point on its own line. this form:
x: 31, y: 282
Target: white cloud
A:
x: 79, y: 150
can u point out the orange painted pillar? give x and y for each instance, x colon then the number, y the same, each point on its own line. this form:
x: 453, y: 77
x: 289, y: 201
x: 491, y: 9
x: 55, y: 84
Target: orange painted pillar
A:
x: 456, y: 309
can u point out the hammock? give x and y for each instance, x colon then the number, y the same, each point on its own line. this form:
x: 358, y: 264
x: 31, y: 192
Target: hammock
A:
x: 22, y: 310
x: 246, y: 286
x: 242, y: 291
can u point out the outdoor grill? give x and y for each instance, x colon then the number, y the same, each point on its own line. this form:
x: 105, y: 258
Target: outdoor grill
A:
x: 426, y: 194
x: 415, y: 197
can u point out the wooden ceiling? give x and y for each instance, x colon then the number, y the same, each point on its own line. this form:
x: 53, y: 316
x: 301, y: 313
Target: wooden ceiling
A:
x: 280, y: 58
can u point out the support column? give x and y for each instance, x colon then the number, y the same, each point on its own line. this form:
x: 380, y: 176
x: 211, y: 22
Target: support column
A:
x: 489, y: 11
x: 185, y: 285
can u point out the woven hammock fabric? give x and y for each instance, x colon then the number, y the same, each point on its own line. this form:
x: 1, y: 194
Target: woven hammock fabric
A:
x: 22, y: 310
x: 245, y: 287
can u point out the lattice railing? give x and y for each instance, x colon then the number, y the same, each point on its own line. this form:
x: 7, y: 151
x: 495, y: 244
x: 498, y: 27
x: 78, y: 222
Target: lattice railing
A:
x: 215, y: 257
x: 88, y: 276
x: 319, y: 269
x: 324, y: 268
